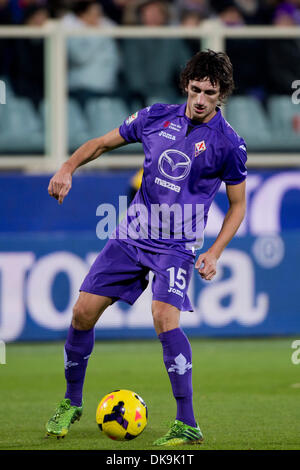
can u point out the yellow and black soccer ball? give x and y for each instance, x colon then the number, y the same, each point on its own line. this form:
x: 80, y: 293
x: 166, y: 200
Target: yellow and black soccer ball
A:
x: 122, y: 415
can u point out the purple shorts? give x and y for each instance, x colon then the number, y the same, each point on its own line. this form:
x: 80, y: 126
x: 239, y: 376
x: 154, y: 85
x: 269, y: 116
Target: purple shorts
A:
x: 121, y: 271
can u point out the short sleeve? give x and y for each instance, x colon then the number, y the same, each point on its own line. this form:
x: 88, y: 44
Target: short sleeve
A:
x: 234, y: 169
x: 132, y: 128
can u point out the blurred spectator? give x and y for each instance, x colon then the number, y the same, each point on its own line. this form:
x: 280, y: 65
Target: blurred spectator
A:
x: 5, y: 44
x: 18, y: 8
x: 147, y: 13
x: 93, y: 62
x: 86, y: 13
x: 59, y: 8
x: 153, y: 64
x: 153, y: 13
x: 190, y: 18
x: 287, y: 14
x: 246, y: 55
x: 256, y: 12
x: 228, y: 13
x: 283, y: 64
x: 114, y: 9
x: 35, y: 15
x: 27, y: 67
x: 189, y: 10
x: 5, y: 12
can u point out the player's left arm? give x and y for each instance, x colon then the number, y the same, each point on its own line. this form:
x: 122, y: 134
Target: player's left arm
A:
x: 207, y: 262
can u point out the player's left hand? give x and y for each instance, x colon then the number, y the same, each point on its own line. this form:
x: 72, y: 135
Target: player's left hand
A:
x: 206, y: 265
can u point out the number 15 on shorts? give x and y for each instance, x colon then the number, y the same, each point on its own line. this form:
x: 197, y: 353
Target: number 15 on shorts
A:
x: 178, y: 280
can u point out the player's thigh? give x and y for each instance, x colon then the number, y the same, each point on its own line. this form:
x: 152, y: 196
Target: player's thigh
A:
x: 88, y: 309
x: 166, y: 317
x: 172, y: 275
x: 117, y: 273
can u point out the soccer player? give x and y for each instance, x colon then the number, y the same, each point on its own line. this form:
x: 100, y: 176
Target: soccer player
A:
x: 189, y: 150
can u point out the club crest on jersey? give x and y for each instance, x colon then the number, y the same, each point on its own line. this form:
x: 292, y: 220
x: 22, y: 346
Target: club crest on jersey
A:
x: 199, y: 147
x: 131, y: 118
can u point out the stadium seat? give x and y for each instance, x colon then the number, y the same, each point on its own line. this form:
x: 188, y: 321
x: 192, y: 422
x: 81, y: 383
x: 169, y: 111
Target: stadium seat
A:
x: 9, y: 92
x: 105, y: 114
x: 21, y: 130
x: 77, y: 125
x: 249, y: 119
x: 166, y: 99
x: 285, y: 116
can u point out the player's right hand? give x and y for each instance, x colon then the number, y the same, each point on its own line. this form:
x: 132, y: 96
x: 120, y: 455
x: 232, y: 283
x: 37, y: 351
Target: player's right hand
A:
x: 60, y: 184
x: 206, y: 265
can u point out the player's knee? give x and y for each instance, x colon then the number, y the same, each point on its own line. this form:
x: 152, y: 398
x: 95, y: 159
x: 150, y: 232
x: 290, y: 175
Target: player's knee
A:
x: 81, y: 319
x: 165, y: 318
x: 158, y: 319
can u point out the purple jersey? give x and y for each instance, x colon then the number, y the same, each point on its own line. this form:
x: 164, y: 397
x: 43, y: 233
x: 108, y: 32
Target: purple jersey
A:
x: 185, y: 163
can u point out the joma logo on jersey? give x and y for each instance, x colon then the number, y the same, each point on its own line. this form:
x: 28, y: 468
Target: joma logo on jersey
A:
x: 175, y: 291
x: 199, y: 147
x: 166, y: 135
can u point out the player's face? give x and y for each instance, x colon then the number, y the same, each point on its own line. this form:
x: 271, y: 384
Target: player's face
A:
x: 203, y: 97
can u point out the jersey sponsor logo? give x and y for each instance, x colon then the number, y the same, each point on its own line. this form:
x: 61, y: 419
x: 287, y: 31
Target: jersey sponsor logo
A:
x: 131, y: 118
x: 172, y: 125
x: 175, y: 127
x: 242, y: 147
x: 166, y: 135
x: 199, y: 147
x: 167, y: 184
x: 174, y: 165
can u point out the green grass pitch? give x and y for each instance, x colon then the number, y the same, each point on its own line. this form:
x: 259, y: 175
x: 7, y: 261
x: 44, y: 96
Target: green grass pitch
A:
x: 246, y: 394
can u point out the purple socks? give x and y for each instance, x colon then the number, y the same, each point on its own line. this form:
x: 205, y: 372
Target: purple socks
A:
x: 78, y: 348
x: 177, y: 356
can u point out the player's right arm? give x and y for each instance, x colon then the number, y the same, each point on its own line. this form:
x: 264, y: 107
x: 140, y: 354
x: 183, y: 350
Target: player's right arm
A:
x: 61, y: 183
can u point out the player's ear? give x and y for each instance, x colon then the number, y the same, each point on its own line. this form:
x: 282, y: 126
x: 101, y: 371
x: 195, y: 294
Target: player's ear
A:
x: 221, y: 99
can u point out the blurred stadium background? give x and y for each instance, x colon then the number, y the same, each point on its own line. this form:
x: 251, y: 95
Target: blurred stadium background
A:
x: 73, y: 70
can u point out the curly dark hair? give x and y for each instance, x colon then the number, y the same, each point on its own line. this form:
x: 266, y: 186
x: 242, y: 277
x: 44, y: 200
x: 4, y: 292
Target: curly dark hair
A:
x: 215, y: 66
